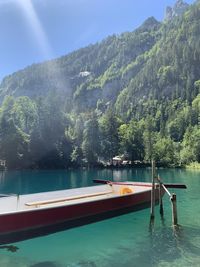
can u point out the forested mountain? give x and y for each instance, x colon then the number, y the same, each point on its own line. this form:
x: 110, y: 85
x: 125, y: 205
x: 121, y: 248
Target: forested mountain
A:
x: 136, y: 94
x: 88, y: 74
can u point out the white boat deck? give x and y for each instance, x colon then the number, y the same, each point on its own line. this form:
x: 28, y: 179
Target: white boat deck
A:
x: 45, y: 200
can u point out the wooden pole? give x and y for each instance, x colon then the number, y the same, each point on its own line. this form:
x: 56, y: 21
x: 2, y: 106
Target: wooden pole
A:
x: 17, y: 201
x: 160, y: 198
x: 153, y: 191
x: 174, y: 210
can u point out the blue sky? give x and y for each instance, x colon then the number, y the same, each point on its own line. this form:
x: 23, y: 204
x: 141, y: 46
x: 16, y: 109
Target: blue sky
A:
x: 33, y: 31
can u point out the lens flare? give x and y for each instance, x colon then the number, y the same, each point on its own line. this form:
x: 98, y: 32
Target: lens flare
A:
x: 51, y: 69
x: 37, y: 29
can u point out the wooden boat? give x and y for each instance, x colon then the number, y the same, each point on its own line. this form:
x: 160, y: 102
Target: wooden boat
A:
x: 26, y: 216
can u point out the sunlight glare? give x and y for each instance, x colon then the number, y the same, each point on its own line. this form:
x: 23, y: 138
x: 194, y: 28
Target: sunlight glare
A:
x: 32, y: 18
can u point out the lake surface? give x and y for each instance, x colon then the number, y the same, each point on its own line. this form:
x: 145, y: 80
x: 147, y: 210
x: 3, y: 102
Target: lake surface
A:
x: 125, y: 240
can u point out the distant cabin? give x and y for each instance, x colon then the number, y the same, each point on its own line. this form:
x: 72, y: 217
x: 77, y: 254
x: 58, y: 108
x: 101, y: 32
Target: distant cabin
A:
x: 121, y: 161
x: 117, y: 161
x: 2, y: 164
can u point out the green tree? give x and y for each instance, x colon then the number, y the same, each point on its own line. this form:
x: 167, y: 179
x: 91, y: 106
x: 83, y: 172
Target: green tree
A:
x: 149, y: 137
x: 14, y: 143
x: 164, y: 151
x: 91, y: 141
x: 131, y: 141
x: 49, y: 145
x: 191, y: 145
x: 109, y: 124
x: 25, y: 114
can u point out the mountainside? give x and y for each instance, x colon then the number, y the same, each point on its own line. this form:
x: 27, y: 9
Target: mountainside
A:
x: 136, y: 94
x: 171, y: 67
x: 93, y: 72
x: 153, y: 61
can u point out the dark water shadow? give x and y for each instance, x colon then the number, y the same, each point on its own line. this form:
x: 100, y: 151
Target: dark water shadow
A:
x: 56, y: 264
x: 46, y: 264
x: 10, y: 248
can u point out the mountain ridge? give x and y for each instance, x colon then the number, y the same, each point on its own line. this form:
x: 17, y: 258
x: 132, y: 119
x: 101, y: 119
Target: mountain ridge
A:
x: 178, y: 9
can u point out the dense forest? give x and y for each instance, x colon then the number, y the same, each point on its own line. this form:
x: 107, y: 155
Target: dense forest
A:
x: 135, y: 94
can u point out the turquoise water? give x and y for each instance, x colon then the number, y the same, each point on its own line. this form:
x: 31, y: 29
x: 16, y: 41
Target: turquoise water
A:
x: 121, y: 241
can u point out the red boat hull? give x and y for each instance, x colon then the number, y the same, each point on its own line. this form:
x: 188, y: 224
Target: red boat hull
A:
x: 69, y: 216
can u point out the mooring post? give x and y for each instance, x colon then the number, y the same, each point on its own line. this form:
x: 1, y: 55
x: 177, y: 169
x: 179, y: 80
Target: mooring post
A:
x: 17, y: 201
x: 174, y: 210
x: 160, y: 197
x: 153, y: 190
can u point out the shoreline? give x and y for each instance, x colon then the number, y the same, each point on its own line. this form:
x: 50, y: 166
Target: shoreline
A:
x: 192, y: 166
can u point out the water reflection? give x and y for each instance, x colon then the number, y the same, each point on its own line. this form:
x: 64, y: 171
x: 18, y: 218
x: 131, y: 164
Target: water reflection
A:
x: 37, y: 181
